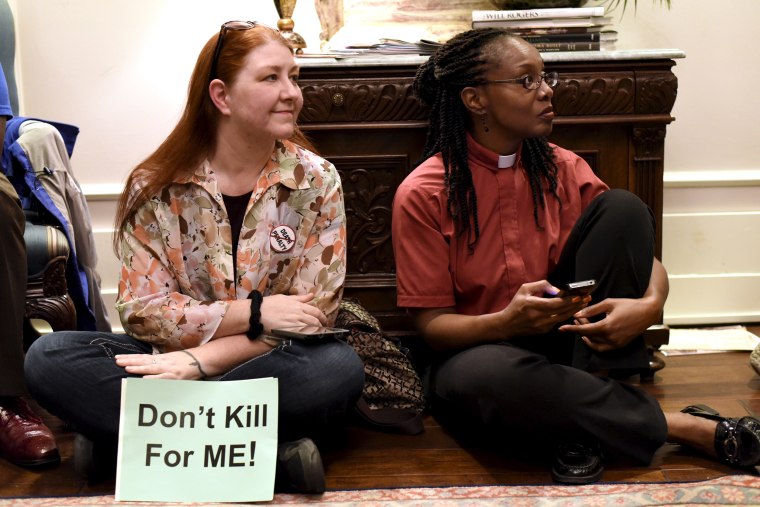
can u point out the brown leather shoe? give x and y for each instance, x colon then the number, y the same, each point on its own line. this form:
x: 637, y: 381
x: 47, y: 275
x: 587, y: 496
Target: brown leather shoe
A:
x: 24, y: 438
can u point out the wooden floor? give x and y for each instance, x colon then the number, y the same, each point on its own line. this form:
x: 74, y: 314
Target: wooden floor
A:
x: 376, y: 460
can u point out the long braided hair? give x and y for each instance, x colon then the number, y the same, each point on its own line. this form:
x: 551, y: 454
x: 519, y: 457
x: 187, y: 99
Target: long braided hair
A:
x: 460, y: 63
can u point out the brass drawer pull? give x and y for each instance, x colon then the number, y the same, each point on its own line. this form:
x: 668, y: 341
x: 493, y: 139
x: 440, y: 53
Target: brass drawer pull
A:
x: 338, y: 99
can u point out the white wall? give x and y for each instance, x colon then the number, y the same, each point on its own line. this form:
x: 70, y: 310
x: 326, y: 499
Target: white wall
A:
x: 715, y: 110
x: 711, y: 229
x: 119, y: 68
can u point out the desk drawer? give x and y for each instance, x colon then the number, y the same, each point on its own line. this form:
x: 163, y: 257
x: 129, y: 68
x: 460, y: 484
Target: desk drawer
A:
x: 359, y: 100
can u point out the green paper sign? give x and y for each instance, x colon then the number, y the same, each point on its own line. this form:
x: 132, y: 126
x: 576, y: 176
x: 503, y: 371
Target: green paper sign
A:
x: 193, y: 441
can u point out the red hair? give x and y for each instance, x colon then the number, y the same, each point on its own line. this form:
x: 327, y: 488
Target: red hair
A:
x: 193, y: 138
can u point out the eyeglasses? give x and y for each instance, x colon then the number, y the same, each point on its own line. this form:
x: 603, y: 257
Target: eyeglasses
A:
x: 229, y: 25
x: 531, y: 82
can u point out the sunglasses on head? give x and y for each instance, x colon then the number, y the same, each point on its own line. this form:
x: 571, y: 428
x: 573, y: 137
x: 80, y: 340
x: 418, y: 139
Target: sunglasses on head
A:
x: 229, y: 25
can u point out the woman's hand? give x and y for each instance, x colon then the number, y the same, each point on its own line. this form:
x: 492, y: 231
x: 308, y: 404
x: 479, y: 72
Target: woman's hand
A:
x: 530, y: 312
x: 622, y: 321
x: 177, y: 365
x: 280, y: 310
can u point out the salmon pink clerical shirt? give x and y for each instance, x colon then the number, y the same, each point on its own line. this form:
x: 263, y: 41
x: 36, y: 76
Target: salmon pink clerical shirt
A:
x: 435, y: 267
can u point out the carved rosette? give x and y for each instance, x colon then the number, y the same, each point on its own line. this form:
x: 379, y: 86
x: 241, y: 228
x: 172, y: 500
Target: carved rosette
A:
x: 364, y: 101
x: 649, y: 143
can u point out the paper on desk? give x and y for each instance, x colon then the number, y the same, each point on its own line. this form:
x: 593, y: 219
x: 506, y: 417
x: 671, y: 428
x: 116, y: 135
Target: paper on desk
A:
x: 701, y: 340
x: 373, y: 35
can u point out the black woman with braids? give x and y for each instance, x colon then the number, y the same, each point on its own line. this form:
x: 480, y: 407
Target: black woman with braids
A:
x: 493, y: 221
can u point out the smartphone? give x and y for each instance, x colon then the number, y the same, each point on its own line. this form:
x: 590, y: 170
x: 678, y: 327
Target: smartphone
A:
x: 305, y: 332
x: 581, y: 288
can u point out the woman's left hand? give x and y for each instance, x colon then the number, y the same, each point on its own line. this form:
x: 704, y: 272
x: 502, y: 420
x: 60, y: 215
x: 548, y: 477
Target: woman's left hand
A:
x: 623, y: 320
x: 172, y: 365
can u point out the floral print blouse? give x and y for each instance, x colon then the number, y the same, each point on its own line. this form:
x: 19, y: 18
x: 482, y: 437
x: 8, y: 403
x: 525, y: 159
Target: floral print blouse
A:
x: 177, y: 275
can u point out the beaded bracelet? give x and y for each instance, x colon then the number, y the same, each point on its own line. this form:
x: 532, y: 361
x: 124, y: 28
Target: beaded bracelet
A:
x: 255, y: 328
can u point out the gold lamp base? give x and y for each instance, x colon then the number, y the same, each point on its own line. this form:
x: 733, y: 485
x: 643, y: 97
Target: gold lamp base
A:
x: 286, y: 24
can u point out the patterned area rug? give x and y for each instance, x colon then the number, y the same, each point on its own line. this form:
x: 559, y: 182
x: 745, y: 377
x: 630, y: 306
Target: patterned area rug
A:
x: 729, y: 490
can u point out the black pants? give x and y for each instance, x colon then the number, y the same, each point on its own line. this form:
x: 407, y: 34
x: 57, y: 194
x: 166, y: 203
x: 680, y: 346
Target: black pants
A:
x: 12, y: 291
x: 538, y: 389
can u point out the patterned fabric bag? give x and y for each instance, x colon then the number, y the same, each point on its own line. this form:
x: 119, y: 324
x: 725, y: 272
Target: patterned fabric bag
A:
x: 392, y: 399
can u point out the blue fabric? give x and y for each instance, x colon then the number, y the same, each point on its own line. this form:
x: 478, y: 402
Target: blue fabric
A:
x: 69, y: 133
x: 5, y: 99
x: 18, y: 168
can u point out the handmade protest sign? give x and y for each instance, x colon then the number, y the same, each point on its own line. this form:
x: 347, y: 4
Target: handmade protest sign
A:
x: 192, y: 441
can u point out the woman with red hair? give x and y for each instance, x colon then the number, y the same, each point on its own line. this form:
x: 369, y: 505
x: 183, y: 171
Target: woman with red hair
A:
x: 230, y: 229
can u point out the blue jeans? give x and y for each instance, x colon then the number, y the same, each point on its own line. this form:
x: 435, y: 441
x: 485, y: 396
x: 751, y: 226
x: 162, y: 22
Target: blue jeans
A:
x: 73, y: 375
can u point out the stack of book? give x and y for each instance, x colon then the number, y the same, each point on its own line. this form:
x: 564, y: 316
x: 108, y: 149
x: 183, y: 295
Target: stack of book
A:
x: 559, y: 29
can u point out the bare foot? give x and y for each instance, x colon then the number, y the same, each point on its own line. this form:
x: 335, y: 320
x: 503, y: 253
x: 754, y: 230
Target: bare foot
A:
x: 696, y: 432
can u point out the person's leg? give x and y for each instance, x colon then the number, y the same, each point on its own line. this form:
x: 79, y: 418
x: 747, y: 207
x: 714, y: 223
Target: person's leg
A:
x: 24, y: 438
x: 521, y: 394
x: 12, y: 292
x: 73, y: 375
x: 319, y: 383
x: 733, y: 440
x: 613, y: 242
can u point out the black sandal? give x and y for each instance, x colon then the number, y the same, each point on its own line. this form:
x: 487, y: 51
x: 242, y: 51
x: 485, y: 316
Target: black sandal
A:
x: 737, y: 441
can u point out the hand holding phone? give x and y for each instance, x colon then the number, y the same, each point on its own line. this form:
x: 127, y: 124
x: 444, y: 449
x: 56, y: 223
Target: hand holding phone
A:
x: 580, y: 288
x: 306, y: 332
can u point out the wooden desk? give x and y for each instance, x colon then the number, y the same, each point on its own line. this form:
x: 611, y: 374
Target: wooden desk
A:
x: 612, y: 108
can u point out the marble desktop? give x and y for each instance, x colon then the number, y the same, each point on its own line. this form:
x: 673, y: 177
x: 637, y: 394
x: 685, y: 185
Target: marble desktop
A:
x: 569, y: 56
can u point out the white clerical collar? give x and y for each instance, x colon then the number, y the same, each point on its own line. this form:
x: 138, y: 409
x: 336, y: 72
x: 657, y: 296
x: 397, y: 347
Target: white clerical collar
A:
x: 507, y: 160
